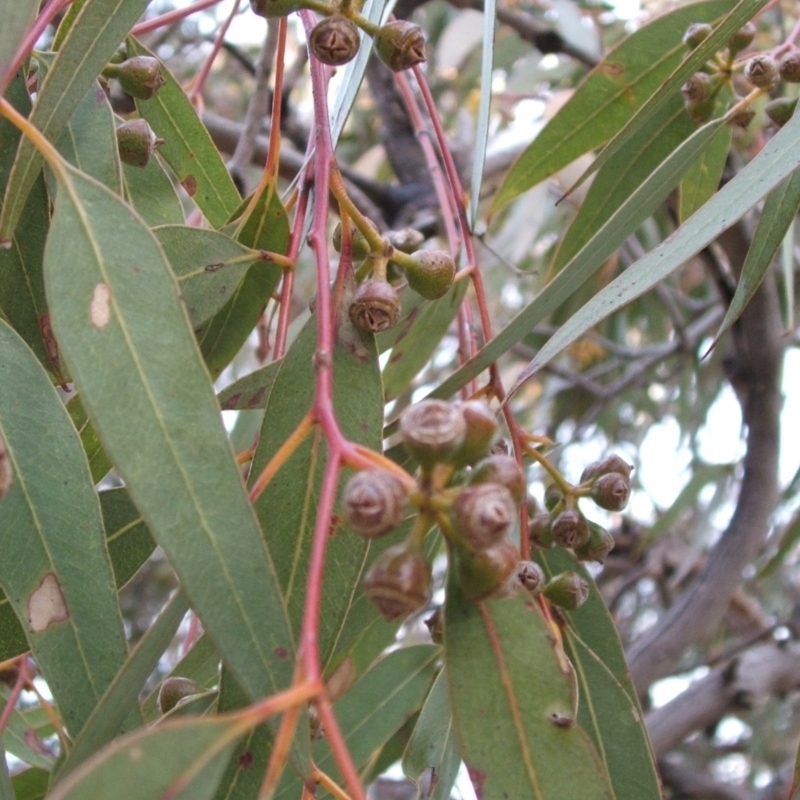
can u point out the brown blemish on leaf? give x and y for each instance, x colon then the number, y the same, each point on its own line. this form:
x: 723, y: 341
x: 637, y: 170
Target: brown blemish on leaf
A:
x: 335, y: 525
x: 613, y: 69
x: 246, y: 759
x: 255, y: 400
x: 5, y: 469
x: 281, y: 652
x: 214, y: 267
x: 46, y: 605
x: 49, y: 339
x: 100, y: 306
x: 190, y: 184
x: 232, y: 402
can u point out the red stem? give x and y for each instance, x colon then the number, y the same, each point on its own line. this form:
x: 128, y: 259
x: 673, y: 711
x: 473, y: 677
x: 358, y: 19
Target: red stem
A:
x: 23, y: 678
x: 202, y: 76
x: 171, y: 16
x: 29, y: 40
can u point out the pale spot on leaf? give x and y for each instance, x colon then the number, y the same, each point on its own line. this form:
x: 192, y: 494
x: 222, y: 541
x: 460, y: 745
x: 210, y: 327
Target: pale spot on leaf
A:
x: 46, y: 605
x: 100, y: 307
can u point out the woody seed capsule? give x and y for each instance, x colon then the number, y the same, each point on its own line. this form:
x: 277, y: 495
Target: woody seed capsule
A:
x: 375, y: 306
x: 432, y: 431
x: 334, y: 40
x: 761, y: 71
x: 484, y: 514
x: 400, y: 45
x: 374, y: 503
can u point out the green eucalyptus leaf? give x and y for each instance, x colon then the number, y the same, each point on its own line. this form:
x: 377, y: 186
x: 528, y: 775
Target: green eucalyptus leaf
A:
x: 251, y: 391
x: 122, y: 694
x: 433, y: 744
x: 17, y: 18
x: 55, y: 569
x: 182, y: 760
x: 505, y: 676
x: 779, y: 211
x: 21, y: 740
x: 31, y: 784
x: 98, y: 28
x: 603, y: 103
x: 124, y: 332
x: 22, y: 300
x: 209, y: 267
x: 779, y: 157
x: 702, y: 180
x: 150, y: 191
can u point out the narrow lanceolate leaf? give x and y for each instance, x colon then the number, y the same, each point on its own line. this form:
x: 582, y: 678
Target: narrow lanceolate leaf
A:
x: 630, y: 215
x: 484, y: 108
x: 265, y: 228
x: 377, y: 706
x: 513, y: 702
x: 209, y: 267
x: 609, y: 708
x: 99, y: 463
x: 779, y: 212
x: 182, y: 760
x: 420, y: 336
x: 117, y: 313
x: 129, y: 545
x: 98, y: 29
x: 624, y: 173
x: 31, y: 784
x: 22, y: 300
x: 694, y: 61
x: 89, y: 141
x: 122, y: 694
x: 433, y: 744
x: 702, y: 180
x: 610, y: 93
x: 251, y: 391
x: 779, y: 158
x: 150, y: 191
x: 287, y: 508
x: 187, y: 147
x: 55, y: 568
x: 17, y: 17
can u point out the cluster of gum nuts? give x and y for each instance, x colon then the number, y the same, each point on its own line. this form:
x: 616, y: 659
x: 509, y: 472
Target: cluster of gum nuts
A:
x: 335, y: 40
x: 762, y: 71
x: 474, y: 496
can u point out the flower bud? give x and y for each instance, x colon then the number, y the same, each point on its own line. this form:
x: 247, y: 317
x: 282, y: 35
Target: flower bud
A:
x: 374, y: 503
x: 5, y: 469
x: 400, y: 45
x: 399, y: 582
x: 406, y: 240
x: 375, y: 306
x: 789, y: 66
x: 359, y: 246
x: 531, y: 576
x: 700, y: 112
x: 486, y: 573
x: 696, y: 34
x: 568, y: 590
x: 432, y: 431
x: 173, y: 690
x: 741, y: 118
x: 553, y: 496
x: 761, y: 71
x: 483, y: 515
x: 272, y: 9
x: 698, y: 88
x: 600, y: 544
x: 570, y: 529
x: 611, y: 491
x: 140, y: 76
x: 612, y: 463
x: 136, y: 142
x: 432, y: 273
x: 334, y: 40
x: 482, y: 431
x: 503, y: 470
x: 540, y: 531
x: 780, y: 110
x: 742, y: 39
